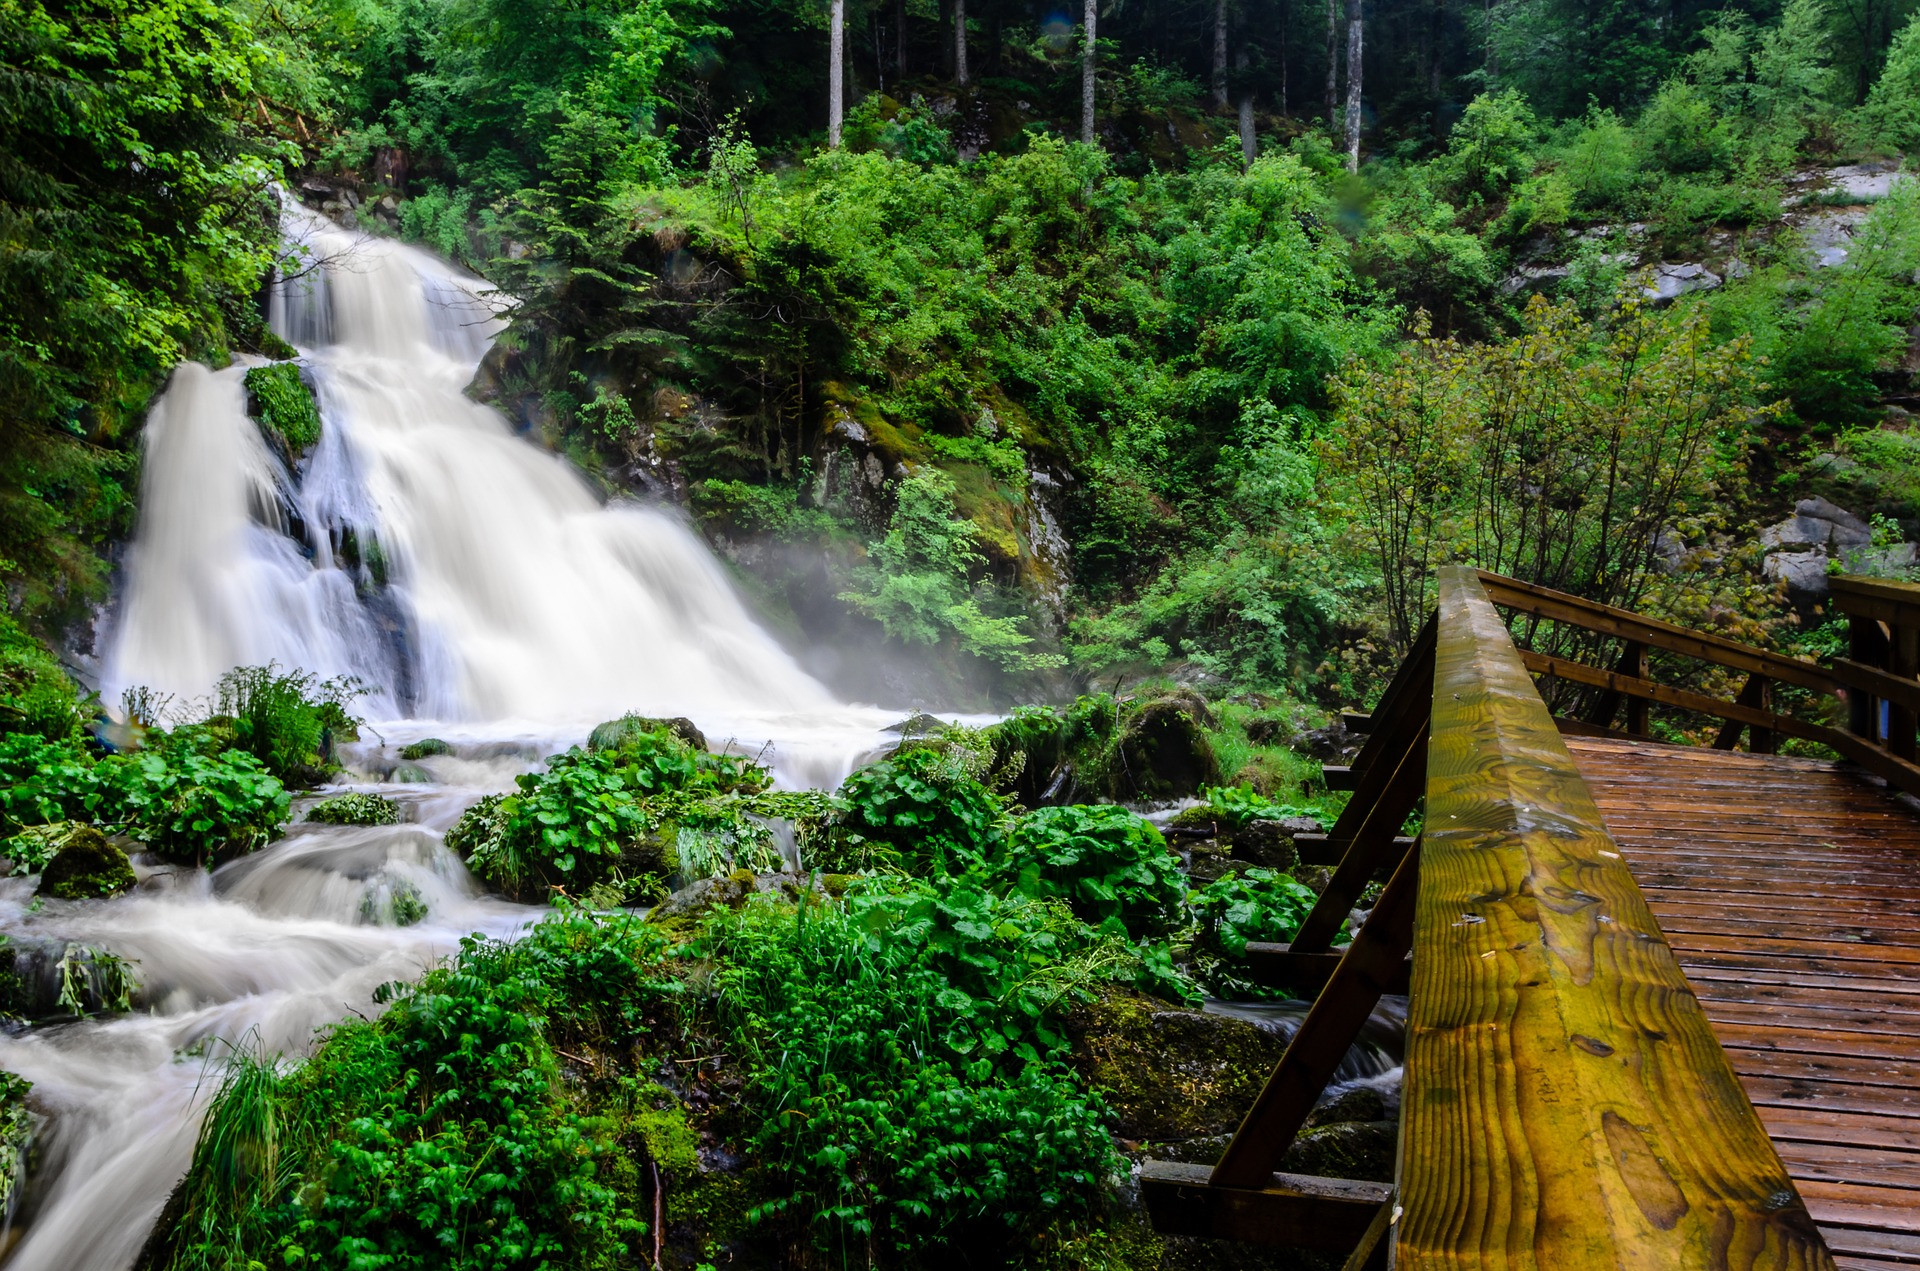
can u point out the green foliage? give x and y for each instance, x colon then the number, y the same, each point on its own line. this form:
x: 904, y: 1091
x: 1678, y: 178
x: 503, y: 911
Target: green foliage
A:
x: 920, y: 585
x: 1111, y: 866
x: 284, y: 405
x: 42, y: 782
x: 438, y: 1134
x: 36, y: 694
x: 355, y: 809
x: 907, y: 1092
x: 194, y: 808
x: 1890, y: 117
x: 760, y: 509
x: 1239, y: 805
x: 425, y: 748
x: 1261, y: 905
x: 918, y: 810
x: 288, y: 720
x: 1491, y: 149
x: 85, y: 866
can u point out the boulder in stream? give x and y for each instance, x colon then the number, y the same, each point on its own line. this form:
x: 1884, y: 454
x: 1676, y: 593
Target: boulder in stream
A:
x: 609, y: 735
x: 86, y: 867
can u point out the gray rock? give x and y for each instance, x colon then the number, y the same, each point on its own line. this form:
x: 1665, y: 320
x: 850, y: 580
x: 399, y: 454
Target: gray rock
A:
x: 1670, y: 282
x: 1796, y: 533
x: 1804, y: 573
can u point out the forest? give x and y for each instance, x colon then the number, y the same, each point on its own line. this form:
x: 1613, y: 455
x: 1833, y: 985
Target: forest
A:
x: 1116, y: 377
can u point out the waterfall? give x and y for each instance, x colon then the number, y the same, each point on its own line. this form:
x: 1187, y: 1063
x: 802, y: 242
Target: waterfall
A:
x: 463, y: 574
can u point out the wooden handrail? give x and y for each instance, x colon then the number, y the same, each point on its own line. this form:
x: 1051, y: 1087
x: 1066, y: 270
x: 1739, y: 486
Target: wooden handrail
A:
x: 1566, y: 1105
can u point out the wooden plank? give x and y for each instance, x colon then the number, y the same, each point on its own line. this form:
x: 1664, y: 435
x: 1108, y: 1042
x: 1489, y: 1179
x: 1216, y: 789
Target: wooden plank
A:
x: 1371, y: 965
x: 1892, y: 1246
x: 1781, y: 1035
x: 1544, y: 602
x: 1798, y: 1065
x: 1370, y: 833
x: 1805, y: 1094
x: 1858, y: 1205
x: 1329, y: 1214
x: 1566, y: 1105
x: 1787, y: 1124
x: 1808, y: 1010
x: 1852, y: 1163
x: 1881, y: 599
x: 1338, y: 777
x: 1318, y: 849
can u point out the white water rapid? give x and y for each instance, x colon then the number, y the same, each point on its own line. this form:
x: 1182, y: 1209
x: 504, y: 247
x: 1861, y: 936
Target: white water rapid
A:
x: 483, y: 594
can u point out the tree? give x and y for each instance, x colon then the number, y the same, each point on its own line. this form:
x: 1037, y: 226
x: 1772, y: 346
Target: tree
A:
x: 1249, y: 145
x: 836, y: 70
x: 1089, y: 57
x: 1220, y: 53
x: 1333, y: 65
x: 1353, y: 85
x: 960, y: 42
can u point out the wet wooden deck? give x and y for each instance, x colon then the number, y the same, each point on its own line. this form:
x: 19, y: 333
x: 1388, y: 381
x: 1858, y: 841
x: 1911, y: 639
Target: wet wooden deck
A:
x: 1789, y: 889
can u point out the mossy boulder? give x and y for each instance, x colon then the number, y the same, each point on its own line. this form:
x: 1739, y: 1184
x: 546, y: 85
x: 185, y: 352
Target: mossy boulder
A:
x: 610, y: 735
x: 86, y: 867
x: 410, y: 774
x: 425, y: 748
x: 1269, y: 843
x: 1163, y: 751
x: 280, y: 401
x: 1170, y: 1074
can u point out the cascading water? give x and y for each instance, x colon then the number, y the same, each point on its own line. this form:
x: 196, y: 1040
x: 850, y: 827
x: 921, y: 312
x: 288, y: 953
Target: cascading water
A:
x: 478, y: 589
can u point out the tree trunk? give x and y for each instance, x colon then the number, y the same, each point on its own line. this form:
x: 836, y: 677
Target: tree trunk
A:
x: 836, y: 72
x: 1353, y: 85
x: 1088, y: 57
x: 960, y: 42
x: 899, y: 40
x: 1333, y: 66
x: 1220, y: 53
x: 1249, y: 144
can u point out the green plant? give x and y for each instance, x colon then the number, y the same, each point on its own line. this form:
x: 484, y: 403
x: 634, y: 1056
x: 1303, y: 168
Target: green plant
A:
x: 919, y: 809
x: 37, y: 696
x: 1237, y: 805
x: 195, y: 808
x: 1109, y: 864
x: 1259, y: 905
x: 45, y: 781
x: 355, y: 809
x: 901, y: 1096
x: 288, y: 720
x: 284, y: 405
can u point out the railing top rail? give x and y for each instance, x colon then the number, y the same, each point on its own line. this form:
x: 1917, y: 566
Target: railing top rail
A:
x: 1881, y: 598
x: 1566, y: 1104
x: 1559, y: 606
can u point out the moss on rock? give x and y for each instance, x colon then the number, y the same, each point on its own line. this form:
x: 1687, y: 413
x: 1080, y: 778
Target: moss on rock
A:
x: 1170, y: 1074
x: 355, y: 809
x: 425, y: 748
x: 610, y: 735
x: 280, y: 400
x: 86, y: 867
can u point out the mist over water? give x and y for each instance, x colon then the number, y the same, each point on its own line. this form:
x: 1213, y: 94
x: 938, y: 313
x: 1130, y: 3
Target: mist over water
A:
x: 483, y: 594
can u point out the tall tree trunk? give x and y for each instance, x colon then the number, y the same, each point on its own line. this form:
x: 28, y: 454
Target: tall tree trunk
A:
x: 1353, y: 85
x: 1286, y: 43
x: 1249, y: 144
x: 899, y: 40
x: 1088, y: 56
x: 1333, y: 65
x: 837, y: 71
x: 1220, y: 53
x: 960, y: 42
x: 877, y: 34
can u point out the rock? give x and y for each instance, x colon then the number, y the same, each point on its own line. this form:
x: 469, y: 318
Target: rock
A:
x: 425, y: 748
x: 1329, y: 743
x: 917, y: 725
x: 610, y: 735
x: 1270, y: 730
x: 1362, y: 1103
x: 1804, y: 573
x: 410, y: 774
x: 1168, y: 1073
x: 1346, y: 1149
x: 1670, y: 282
x: 1163, y: 750
x: 1267, y: 844
x: 86, y: 867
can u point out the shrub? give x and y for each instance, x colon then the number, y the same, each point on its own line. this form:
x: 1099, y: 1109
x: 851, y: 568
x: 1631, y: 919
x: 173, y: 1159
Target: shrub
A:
x: 918, y: 809
x: 1236, y: 805
x: 355, y: 809
x: 195, y: 809
x: 287, y: 720
x: 37, y: 696
x: 435, y: 1135
x: 1110, y: 865
x: 1261, y: 905
x: 44, y: 781
x: 901, y: 1095
x: 1491, y: 148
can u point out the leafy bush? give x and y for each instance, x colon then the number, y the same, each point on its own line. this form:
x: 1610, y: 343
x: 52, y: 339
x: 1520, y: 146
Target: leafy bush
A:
x: 1237, y: 805
x: 435, y: 1135
x: 45, y: 781
x: 901, y: 1098
x: 355, y: 809
x: 36, y: 694
x: 917, y: 810
x: 287, y: 720
x: 194, y: 808
x: 1110, y: 865
x: 1261, y: 905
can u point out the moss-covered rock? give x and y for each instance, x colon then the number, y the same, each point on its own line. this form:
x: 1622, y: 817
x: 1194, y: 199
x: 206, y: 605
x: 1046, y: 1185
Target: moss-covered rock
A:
x: 610, y: 735
x: 1170, y: 1074
x: 86, y: 867
x: 425, y: 748
x: 410, y: 774
x: 1164, y: 751
x: 279, y: 399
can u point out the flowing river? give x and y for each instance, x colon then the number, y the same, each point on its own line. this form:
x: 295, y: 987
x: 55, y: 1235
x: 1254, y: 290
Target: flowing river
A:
x: 483, y: 594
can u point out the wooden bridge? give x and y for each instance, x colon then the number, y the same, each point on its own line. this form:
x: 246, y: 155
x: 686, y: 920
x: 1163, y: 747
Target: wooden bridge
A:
x: 1664, y: 999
